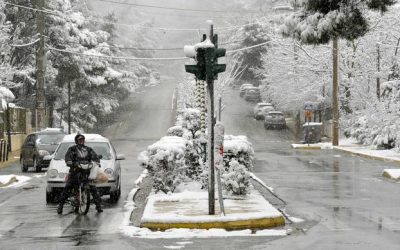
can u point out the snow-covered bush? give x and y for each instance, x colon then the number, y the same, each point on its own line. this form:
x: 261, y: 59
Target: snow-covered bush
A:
x: 191, y: 121
x: 167, y: 162
x: 236, y: 179
x: 238, y: 148
x: 175, y: 131
x: 238, y: 161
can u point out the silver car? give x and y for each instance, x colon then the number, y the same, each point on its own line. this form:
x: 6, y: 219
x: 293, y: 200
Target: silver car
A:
x: 109, y: 162
x: 259, y: 111
x: 252, y: 94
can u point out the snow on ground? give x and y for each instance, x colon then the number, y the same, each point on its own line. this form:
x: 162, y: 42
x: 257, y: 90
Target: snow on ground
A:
x: 392, y: 173
x: 351, y: 145
x: 182, y: 233
x: 21, y: 180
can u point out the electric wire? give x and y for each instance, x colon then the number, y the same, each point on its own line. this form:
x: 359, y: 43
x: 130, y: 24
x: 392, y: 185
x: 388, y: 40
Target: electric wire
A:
x: 177, y: 9
x: 52, y: 12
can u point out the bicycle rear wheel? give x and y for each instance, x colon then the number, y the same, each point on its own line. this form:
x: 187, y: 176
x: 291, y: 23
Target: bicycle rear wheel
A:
x: 84, y: 203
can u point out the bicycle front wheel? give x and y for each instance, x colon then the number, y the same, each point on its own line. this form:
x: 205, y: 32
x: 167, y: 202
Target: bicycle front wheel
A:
x: 84, y: 200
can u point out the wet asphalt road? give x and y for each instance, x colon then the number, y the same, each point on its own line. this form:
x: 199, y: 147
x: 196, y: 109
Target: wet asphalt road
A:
x: 343, y: 199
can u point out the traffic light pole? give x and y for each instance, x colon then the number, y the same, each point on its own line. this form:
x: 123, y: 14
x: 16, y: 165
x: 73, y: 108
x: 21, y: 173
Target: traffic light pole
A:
x: 210, y: 158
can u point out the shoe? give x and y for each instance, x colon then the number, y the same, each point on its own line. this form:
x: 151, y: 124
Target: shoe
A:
x: 60, y: 209
x: 99, y: 210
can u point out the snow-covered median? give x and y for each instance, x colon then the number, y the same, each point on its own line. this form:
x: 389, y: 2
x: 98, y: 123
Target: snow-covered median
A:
x: 189, y: 209
x: 7, y: 181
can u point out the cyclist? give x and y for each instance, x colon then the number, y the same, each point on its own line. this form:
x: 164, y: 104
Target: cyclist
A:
x: 75, y: 154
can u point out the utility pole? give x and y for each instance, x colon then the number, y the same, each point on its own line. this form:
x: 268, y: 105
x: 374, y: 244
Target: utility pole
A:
x: 40, y: 68
x: 335, y: 90
x: 378, y: 65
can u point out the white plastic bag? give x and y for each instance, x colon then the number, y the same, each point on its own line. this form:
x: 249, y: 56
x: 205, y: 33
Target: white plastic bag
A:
x: 93, y: 171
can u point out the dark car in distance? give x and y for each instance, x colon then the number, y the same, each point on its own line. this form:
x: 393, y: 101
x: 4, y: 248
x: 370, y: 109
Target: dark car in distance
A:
x: 37, y: 145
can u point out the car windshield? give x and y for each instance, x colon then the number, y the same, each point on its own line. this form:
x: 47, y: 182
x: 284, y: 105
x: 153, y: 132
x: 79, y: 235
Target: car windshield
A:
x: 49, y: 139
x: 101, y: 148
x: 264, y: 105
x: 276, y: 115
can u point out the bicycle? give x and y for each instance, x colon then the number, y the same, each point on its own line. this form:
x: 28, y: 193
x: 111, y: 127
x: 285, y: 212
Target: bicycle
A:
x: 80, y: 196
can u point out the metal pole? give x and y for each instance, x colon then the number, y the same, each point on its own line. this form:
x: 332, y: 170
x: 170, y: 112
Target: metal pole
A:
x: 8, y: 123
x: 211, y: 173
x: 220, y: 197
x: 335, y: 90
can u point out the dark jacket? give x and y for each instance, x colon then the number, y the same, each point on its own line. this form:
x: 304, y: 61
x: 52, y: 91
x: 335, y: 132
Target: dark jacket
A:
x: 79, y: 153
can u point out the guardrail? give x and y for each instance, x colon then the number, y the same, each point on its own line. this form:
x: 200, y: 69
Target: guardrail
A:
x: 3, y: 150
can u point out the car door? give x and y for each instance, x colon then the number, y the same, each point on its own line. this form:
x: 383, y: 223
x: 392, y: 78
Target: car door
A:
x: 30, y: 149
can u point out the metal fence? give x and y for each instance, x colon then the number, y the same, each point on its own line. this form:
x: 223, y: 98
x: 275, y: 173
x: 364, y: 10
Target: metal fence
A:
x: 3, y: 150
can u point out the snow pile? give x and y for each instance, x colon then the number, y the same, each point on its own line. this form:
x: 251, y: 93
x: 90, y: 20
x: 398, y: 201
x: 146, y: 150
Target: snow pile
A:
x: 7, y: 181
x: 392, y: 173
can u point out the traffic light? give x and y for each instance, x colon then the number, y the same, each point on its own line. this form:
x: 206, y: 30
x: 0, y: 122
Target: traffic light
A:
x: 198, y: 69
x: 206, y: 55
x: 213, y: 68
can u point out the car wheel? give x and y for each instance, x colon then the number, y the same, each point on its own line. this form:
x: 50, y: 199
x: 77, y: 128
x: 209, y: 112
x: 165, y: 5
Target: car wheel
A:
x: 24, y: 166
x: 114, y: 196
x: 49, y: 197
x: 36, y: 167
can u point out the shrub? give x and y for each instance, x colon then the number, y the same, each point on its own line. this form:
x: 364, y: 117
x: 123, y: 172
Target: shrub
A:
x: 167, y: 162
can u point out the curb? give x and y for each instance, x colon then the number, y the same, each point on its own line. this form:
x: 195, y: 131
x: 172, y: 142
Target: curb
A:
x: 228, y: 225
x: 7, y: 163
x: 306, y: 147
x: 372, y: 157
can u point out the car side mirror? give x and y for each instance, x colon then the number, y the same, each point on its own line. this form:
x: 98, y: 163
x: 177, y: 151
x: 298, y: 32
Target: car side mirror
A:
x: 120, y: 157
x: 48, y: 157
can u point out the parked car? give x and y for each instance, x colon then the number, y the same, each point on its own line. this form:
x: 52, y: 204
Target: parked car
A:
x: 275, y: 119
x: 37, y: 145
x: 252, y: 94
x: 243, y: 88
x: 258, y: 108
x: 110, y: 163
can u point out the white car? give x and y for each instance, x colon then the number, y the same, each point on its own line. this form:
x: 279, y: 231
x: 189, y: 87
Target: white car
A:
x: 110, y: 163
x: 258, y: 108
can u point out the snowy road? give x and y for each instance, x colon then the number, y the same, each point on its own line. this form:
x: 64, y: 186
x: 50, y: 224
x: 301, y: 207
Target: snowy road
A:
x: 345, y: 202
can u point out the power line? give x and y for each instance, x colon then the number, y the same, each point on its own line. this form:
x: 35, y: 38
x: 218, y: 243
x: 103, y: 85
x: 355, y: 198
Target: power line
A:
x: 120, y: 57
x: 179, y: 9
x: 151, y: 58
x: 136, y: 26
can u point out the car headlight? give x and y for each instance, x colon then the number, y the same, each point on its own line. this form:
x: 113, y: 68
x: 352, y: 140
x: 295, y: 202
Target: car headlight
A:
x: 109, y: 172
x: 52, y: 173
x: 43, y: 152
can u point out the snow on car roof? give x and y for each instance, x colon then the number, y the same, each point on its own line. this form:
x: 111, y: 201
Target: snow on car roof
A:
x: 88, y: 137
x: 264, y: 104
x: 275, y: 112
